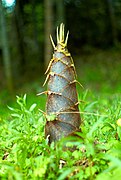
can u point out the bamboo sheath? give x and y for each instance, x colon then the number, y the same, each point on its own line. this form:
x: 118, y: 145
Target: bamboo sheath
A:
x: 62, y: 101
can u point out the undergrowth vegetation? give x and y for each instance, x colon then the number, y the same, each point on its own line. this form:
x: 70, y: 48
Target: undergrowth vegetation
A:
x: 25, y: 153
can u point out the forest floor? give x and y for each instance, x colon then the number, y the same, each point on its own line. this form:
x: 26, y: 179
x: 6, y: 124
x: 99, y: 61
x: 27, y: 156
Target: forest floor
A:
x: 97, y: 156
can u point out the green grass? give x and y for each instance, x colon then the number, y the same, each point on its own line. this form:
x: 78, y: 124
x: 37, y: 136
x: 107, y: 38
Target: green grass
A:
x: 24, y: 151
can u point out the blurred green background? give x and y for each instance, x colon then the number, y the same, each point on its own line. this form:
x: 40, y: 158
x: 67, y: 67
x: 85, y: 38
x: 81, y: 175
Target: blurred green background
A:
x: 25, y: 48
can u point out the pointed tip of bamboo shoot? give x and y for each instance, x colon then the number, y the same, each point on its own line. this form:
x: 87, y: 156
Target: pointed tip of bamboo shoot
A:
x: 61, y: 35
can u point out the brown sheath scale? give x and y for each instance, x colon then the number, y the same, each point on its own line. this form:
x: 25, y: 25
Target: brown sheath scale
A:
x: 62, y: 101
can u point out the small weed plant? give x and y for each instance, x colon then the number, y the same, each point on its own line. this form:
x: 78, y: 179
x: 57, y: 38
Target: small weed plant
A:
x: 95, y: 153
